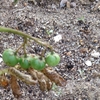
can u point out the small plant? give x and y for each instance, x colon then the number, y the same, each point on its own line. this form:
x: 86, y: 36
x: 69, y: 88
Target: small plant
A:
x: 37, y: 68
x: 81, y: 18
x: 49, y: 32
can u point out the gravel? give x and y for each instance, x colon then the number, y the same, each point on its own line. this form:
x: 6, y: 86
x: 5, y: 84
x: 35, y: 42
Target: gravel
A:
x: 78, y: 31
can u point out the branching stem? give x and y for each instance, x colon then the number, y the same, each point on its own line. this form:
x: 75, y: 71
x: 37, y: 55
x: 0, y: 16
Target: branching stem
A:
x: 24, y: 46
x: 17, y: 32
x: 23, y: 77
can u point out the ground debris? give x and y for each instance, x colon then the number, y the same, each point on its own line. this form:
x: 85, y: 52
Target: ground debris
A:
x: 15, y: 87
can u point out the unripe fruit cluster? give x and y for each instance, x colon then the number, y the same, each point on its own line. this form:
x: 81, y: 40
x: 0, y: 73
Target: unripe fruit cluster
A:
x: 10, y: 58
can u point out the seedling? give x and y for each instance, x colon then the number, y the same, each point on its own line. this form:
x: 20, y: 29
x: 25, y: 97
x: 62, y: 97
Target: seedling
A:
x: 81, y: 18
x: 49, y: 32
x: 37, y: 68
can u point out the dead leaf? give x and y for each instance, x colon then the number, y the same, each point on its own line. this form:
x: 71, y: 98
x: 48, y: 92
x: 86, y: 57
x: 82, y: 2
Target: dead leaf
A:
x: 54, y: 76
x: 44, y: 82
x: 15, y: 87
x: 23, y: 77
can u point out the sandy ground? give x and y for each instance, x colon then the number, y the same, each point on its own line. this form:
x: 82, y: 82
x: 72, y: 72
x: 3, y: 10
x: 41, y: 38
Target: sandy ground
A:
x: 78, y: 31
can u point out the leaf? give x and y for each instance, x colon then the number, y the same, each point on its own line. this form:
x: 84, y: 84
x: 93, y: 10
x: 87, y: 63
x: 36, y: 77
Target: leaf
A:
x: 23, y: 77
x: 54, y: 76
x: 44, y: 82
x: 15, y: 87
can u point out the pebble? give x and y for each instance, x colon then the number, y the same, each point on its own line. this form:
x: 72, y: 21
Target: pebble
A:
x: 57, y: 38
x: 99, y: 8
x: 92, y: 59
x: 95, y: 54
x: 54, y: 6
x: 88, y: 63
x: 83, y: 50
x: 1, y: 58
x: 63, y: 3
x: 73, y: 4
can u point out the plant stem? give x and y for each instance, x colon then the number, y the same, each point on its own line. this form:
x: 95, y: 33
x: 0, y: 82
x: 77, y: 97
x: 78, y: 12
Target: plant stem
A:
x: 23, y: 77
x: 17, y: 32
x: 24, y: 47
x: 19, y: 48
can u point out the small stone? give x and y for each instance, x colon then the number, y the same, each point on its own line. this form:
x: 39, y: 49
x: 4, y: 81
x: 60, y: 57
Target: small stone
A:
x: 37, y: 29
x: 1, y: 23
x: 25, y: 4
x: 73, y: 4
x: 83, y: 50
x: 84, y: 2
x: 88, y: 63
x: 92, y: 59
x: 81, y: 42
x: 95, y: 41
x: 1, y: 60
x: 57, y: 38
x: 95, y: 54
x: 99, y: 7
x: 68, y: 53
x: 63, y: 3
x: 68, y: 4
x: 54, y: 6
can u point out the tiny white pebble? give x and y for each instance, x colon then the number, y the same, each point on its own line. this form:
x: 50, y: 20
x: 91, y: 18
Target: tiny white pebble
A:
x: 95, y: 54
x: 51, y: 31
x: 88, y: 63
x: 1, y: 60
x: 57, y: 38
x: 62, y: 3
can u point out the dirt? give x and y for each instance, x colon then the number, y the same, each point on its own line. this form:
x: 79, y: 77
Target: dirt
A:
x: 79, y: 28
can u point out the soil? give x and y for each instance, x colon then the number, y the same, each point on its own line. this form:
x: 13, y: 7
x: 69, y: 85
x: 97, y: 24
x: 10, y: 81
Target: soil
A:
x: 77, y: 25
